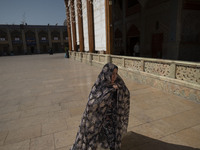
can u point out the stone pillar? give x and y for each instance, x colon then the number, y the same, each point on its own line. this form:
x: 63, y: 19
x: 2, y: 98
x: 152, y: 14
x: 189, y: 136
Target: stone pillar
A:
x: 172, y: 70
x: 81, y: 56
x: 24, y: 42
x: 9, y: 41
x: 49, y: 38
x: 143, y: 65
x: 90, y: 18
x: 80, y: 24
x: 37, y: 41
x: 107, y: 59
x: 90, y: 58
x: 68, y: 25
x: 73, y: 20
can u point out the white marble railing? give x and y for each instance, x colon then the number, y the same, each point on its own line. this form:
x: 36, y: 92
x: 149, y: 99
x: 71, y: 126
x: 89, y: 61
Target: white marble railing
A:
x: 180, y: 70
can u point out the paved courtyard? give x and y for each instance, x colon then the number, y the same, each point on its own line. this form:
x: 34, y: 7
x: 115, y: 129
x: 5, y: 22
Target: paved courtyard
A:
x: 42, y: 98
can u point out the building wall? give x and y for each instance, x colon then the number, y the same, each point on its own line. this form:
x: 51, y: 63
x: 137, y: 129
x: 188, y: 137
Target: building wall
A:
x: 175, y: 77
x: 152, y: 18
x: 29, y: 39
x: 177, y: 28
x: 163, y: 27
x: 99, y: 24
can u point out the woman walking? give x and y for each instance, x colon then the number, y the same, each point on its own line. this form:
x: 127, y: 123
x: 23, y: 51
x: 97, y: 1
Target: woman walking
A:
x: 106, y: 115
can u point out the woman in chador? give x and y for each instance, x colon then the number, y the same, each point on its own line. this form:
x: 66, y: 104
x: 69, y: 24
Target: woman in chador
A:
x: 105, y: 118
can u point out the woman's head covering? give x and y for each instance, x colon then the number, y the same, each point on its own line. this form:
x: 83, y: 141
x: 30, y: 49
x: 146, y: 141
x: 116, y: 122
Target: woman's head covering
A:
x: 99, y: 100
x: 106, y: 72
x: 103, y: 84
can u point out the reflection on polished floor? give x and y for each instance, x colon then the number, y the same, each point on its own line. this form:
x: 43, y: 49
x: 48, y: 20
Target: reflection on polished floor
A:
x: 42, y: 98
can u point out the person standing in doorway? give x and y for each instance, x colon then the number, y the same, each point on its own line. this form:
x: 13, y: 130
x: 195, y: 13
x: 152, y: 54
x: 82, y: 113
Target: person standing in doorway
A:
x: 136, y: 49
x: 66, y: 52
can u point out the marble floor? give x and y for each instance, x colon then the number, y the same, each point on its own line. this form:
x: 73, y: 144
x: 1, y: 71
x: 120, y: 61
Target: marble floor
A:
x: 42, y: 98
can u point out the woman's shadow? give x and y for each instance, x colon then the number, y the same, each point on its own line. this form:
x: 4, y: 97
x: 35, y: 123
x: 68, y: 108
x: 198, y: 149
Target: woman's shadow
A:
x: 134, y: 141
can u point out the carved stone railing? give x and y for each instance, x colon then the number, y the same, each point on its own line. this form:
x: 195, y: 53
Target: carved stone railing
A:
x: 178, y: 77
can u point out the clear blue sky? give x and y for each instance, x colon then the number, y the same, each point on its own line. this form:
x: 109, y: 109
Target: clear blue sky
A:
x: 34, y: 12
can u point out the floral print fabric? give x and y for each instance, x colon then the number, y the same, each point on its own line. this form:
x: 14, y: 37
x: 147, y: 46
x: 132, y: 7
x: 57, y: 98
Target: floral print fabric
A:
x: 105, y: 118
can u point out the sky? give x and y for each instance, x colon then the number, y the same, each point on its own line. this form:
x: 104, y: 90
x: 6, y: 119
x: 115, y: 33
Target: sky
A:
x: 33, y: 12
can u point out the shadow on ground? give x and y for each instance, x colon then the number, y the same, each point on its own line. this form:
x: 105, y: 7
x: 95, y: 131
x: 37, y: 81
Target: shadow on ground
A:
x: 134, y: 141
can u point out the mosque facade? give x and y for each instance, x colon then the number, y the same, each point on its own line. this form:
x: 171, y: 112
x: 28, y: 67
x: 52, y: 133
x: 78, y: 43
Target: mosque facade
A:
x: 165, y: 29
x: 32, y: 39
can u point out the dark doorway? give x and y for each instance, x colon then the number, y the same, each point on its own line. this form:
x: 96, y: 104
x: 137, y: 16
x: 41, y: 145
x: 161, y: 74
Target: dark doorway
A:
x: 133, y: 35
x: 45, y: 49
x: 32, y: 50
x: 131, y: 43
x: 55, y: 47
x: 157, y: 43
x: 5, y: 50
x: 19, y: 50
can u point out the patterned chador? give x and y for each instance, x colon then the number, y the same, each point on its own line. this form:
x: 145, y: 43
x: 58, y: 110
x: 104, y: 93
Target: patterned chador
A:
x: 106, y: 115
